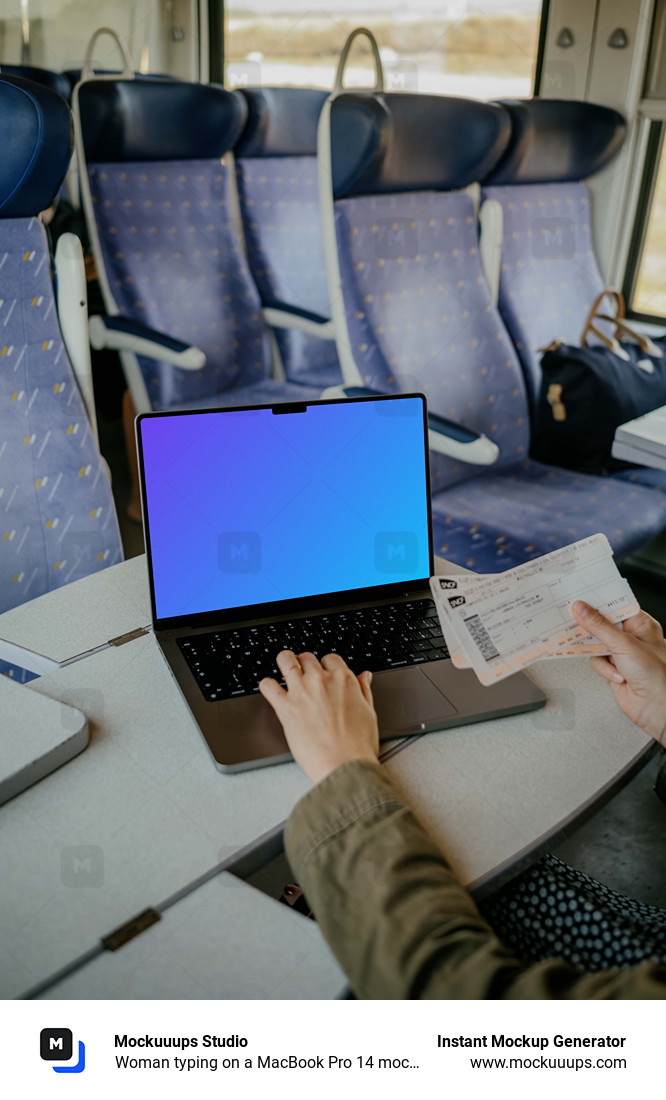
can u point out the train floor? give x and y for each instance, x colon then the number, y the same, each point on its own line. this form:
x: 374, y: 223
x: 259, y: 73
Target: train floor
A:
x: 623, y: 845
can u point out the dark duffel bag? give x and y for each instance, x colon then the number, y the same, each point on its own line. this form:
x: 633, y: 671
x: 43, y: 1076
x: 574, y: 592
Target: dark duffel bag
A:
x: 587, y: 392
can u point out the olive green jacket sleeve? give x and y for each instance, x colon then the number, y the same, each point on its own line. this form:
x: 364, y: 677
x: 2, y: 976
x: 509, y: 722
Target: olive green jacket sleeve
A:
x: 398, y: 921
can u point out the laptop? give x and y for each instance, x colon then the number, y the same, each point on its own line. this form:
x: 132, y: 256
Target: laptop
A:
x: 303, y: 526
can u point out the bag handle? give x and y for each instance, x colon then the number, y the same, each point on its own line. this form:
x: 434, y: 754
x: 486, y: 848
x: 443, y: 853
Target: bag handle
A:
x: 342, y: 63
x: 622, y: 328
x: 610, y: 292
x: 644, y: 342
x: 611, y: 342
x: 87, y: 68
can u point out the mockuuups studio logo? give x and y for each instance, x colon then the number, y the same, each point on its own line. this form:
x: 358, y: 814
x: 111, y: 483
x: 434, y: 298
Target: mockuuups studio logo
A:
x: 553, y: 238
x: 239, y: 552
x: 56, y: 1045
x: 396, y: 552
x: 244, y: 73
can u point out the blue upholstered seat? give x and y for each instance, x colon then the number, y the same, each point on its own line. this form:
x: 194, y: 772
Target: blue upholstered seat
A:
x: 549, y: 275
x: 58, y: 518
x: 278, y: 192
x: 417, y: 315
x: 57, y: 82
x: 156, y: 193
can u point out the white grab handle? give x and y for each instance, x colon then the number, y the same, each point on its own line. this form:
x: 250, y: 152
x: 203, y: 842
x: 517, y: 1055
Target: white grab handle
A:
x: 342, y: 63
x: 87, y: 68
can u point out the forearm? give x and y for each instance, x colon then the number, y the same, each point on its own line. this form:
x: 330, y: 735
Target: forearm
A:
x: 395, y: 916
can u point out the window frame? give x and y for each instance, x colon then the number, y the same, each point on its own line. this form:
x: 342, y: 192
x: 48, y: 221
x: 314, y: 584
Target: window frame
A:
x: 217, y: 43
x: 654, y: 149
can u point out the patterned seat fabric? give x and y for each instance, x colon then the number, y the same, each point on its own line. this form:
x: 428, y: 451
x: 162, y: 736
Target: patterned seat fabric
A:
x: 58, y: 518
x: 495, y: 521
x: 549, y: 275
x: 419, y: 317
x: 549, y: 278
x: 279, y: 203
x: 165, y: 230
x: 173, y: 261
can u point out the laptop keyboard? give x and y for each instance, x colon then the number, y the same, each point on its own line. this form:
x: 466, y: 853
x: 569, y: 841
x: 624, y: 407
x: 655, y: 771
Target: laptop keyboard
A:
x: 229, y: 663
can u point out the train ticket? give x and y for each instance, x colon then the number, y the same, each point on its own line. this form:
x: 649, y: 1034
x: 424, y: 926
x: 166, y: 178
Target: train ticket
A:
x: 499, y: 623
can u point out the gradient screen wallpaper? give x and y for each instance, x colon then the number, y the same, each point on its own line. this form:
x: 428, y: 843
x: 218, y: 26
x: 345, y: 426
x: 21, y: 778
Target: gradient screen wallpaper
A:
x: 250, y: 507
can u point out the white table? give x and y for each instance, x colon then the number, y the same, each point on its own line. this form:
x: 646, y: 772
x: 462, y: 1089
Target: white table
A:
x: 643, y: 440
x: 146, y: 794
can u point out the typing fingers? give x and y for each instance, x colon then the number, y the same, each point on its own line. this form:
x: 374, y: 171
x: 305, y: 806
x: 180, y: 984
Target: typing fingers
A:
x: 290, y: 667
x: 333, y: 661
x: 272, y: 692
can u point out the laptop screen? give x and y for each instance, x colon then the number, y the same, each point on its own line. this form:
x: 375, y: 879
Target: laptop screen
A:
x: 258, y: 506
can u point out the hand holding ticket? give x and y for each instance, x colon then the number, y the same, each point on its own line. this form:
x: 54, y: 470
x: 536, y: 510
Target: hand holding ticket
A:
x: 499, y: 623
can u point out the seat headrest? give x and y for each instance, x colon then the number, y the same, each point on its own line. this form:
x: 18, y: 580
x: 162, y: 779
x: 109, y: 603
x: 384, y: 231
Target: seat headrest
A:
x: 384, y: 142
x: 73, y: 76
x: 57, y: 82
x: 282, y: 122
x: 557, y: 141
x: 143, y: 120
x: 36, y: 141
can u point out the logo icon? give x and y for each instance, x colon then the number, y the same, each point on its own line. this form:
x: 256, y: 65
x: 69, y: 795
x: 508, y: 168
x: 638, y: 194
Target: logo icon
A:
x: 396, y: 552
x: 56, y: 1045
x: 239, y: 552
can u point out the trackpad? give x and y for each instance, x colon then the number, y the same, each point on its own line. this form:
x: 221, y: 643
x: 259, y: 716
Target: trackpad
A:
x: 405, y: 698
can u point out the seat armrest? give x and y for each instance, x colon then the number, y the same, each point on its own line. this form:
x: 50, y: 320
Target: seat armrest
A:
x: 124, y: 334
x: 282, y: 315
x: 449, y: 438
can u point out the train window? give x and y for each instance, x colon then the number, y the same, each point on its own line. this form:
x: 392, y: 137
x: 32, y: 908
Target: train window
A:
x: 645, y: 273
x: 649, y: 274
x: 443, y: 46
x: 52, y: 34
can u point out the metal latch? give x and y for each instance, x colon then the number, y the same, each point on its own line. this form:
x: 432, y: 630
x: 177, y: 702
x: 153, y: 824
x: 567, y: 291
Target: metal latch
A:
x: 129, y: 637
x: 128, y: 931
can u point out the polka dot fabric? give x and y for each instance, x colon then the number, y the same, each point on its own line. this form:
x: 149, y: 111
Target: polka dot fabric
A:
x: 554, y: 911
x: 279, y: 200
x: 174, y: 262
x: 420, y: 317
x: 494, y: 521
x: 549, y: 275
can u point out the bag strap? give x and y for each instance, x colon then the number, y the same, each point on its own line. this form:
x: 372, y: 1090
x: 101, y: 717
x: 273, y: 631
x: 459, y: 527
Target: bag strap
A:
x: 644, y: 342
x: 618, y: 298
x: 590, y: 329
x: 342, y: 63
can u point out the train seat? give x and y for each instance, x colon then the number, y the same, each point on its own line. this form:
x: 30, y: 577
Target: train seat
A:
x: 549, y: 275
x: 57, y: 82
x: 278, y: 195
x: 183, y: 309
x: 413, y: 311
x: 58, y: 516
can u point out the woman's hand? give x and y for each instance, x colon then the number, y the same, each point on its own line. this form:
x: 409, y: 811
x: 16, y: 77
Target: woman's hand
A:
x: 636, y: 668
x: 326, y: 712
